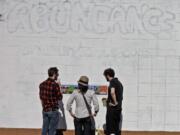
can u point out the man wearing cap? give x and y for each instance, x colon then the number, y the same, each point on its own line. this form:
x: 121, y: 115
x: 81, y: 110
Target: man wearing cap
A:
x: 83, y: 116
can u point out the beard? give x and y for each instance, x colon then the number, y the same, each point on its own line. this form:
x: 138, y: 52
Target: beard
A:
x: 107, y: 79
x: 56, y: 77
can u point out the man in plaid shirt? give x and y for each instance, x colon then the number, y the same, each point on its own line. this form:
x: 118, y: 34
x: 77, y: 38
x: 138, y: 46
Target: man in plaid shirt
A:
x: 50, y: 95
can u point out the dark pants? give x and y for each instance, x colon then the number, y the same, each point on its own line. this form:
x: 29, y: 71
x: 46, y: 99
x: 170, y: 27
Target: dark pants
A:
x: 50, y: 122
x: 82, y: 126
x: 113, y: 119
x: 59, y: 132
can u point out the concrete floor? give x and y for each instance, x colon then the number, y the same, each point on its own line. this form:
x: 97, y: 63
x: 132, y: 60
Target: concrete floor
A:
x: 7, y: 131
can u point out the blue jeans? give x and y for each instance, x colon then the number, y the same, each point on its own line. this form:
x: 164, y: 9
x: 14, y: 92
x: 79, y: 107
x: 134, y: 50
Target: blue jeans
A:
x: 50, y: 122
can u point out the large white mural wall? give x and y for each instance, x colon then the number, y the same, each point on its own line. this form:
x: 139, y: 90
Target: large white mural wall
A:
x: 140, y: 39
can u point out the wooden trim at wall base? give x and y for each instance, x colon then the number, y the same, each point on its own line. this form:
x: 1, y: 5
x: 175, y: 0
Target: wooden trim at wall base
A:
x: 18, y: 131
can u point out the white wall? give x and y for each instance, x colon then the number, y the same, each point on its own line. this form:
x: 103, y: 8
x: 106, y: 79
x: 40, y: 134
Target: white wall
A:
x: 140, y: 39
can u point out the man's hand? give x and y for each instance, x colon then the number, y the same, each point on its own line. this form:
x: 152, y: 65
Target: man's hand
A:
x: 72, y: 114
x: 94, y: 115
x: 59, y: 82
x: 111, y: 104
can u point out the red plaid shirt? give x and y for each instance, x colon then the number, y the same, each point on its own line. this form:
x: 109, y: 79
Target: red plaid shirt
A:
x: 49, y: 94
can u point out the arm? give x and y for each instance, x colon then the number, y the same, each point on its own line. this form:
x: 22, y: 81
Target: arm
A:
x: 113, y: 94
x: 95, y: 103
x: 69, y: 104
x: 58, y: 92
x: 40, y: 92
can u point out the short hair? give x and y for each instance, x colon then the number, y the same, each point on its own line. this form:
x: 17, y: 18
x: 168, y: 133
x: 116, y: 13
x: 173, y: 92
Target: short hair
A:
x: 52, y: 71
x: 109, y: 71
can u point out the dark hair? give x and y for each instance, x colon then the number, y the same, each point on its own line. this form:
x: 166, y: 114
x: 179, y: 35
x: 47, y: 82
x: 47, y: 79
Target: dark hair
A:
x: 82, y: 88
x: 52, y: 71
x: 109, y: 72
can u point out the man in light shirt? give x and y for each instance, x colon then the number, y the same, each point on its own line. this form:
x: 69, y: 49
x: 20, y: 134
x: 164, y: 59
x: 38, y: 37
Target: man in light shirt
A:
x: 83, y: 116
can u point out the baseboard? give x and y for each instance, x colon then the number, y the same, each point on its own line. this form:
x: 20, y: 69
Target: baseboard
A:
x: 19, y: 131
